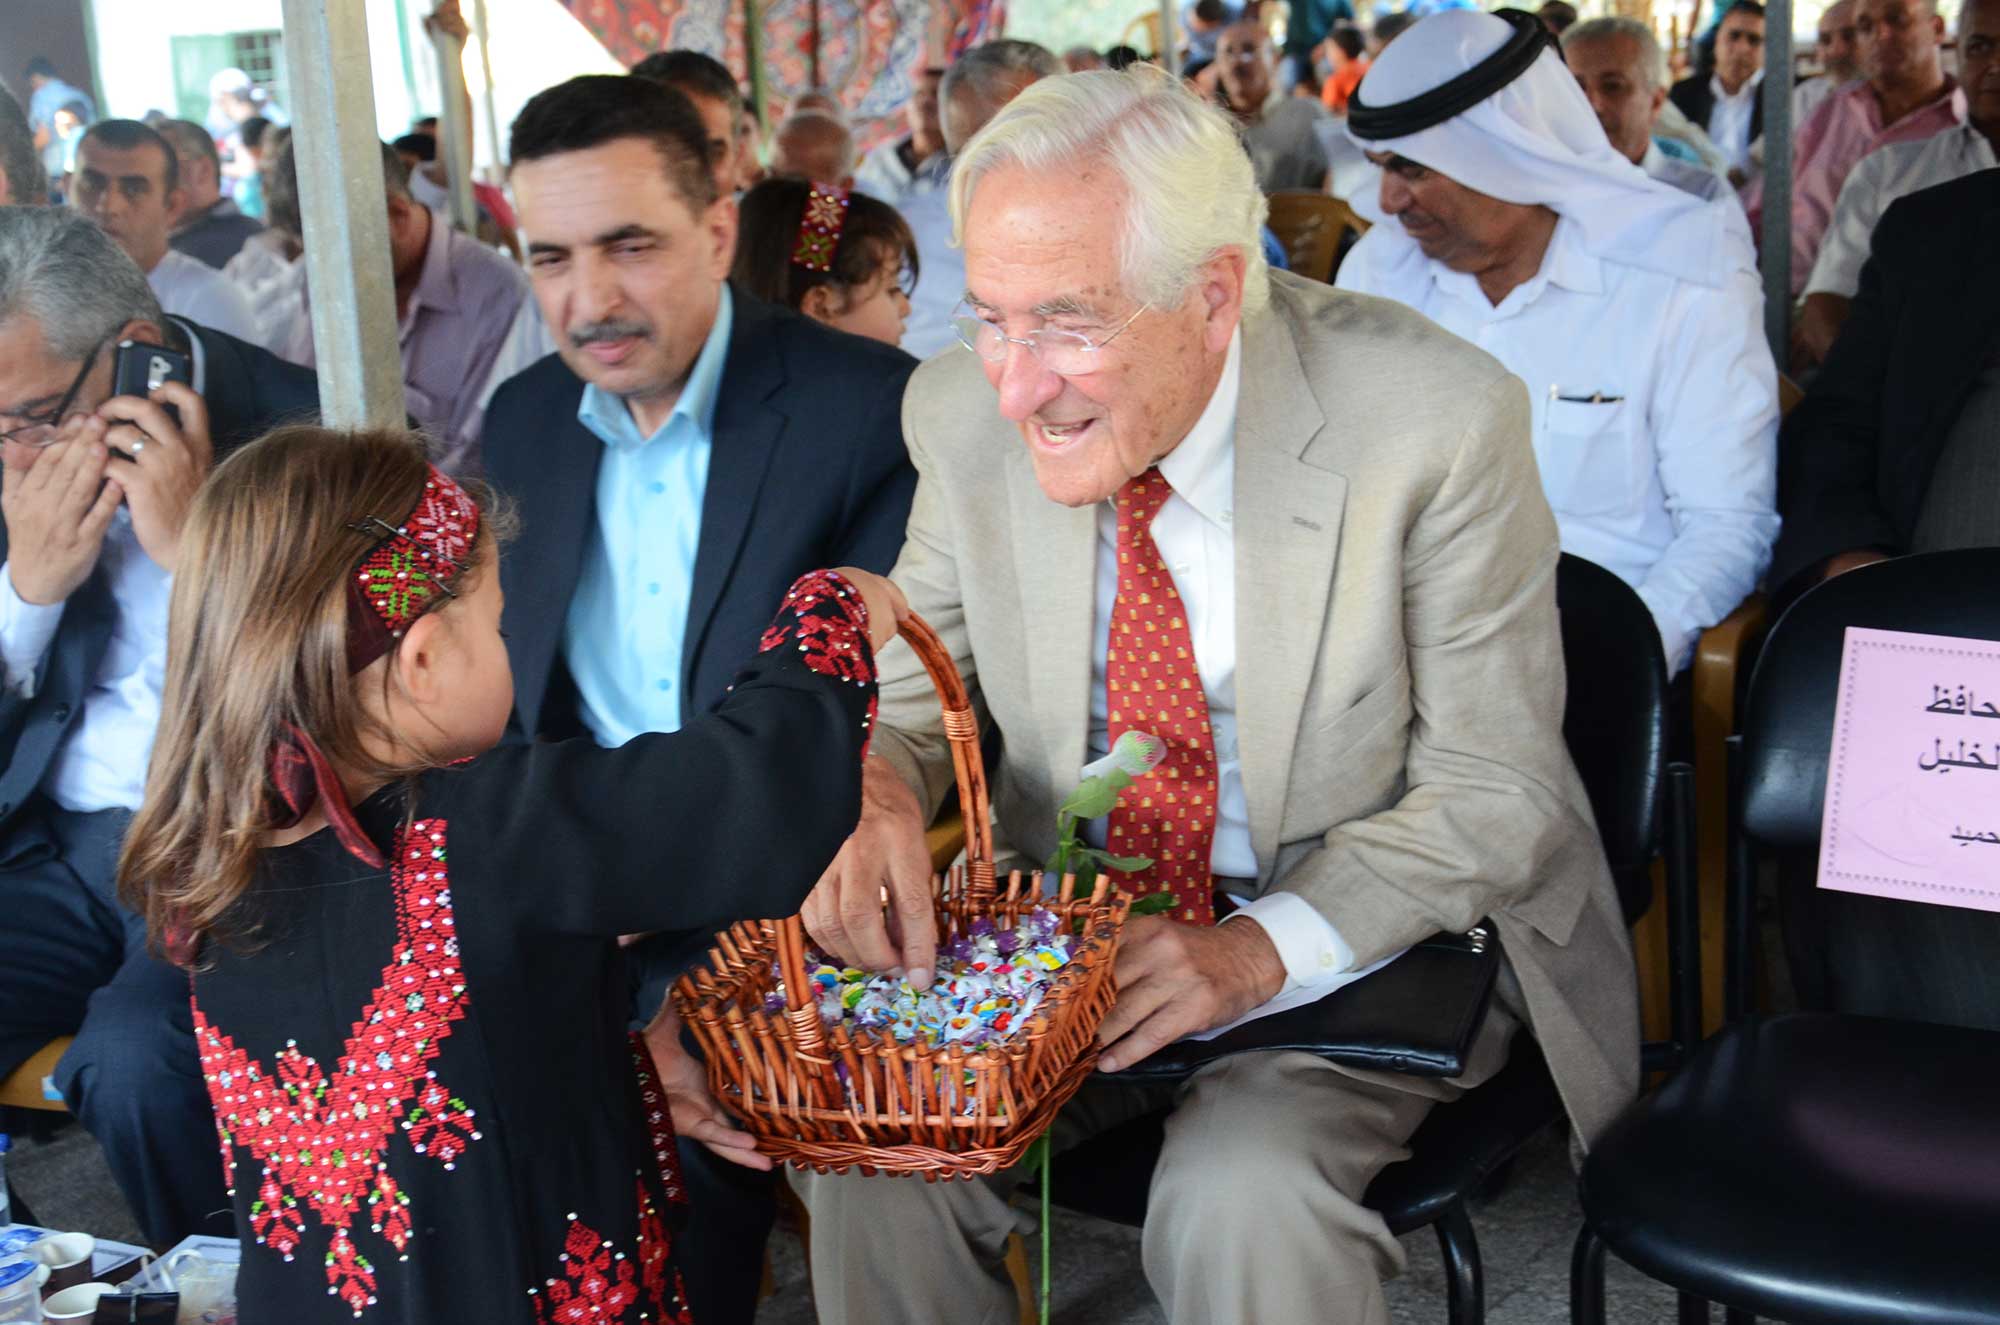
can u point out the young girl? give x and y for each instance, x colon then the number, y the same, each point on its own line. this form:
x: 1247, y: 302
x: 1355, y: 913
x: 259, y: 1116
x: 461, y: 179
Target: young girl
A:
x: 407, y: 992
x: 839, y: 257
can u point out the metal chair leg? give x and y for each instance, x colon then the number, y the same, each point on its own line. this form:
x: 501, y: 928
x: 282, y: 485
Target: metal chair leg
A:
x: 1464, y: 1277
x: 1693, y: 1310
x: 1586, y: 1279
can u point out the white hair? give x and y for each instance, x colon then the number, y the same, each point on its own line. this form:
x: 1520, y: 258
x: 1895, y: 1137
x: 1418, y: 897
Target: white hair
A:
x: 1191, y: 190
x: 1652, y: 60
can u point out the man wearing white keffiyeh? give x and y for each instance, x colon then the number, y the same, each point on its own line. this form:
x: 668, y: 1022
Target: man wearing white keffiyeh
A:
x: 1631, y: 309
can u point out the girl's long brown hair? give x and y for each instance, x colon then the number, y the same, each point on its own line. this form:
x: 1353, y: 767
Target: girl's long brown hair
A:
x: 257, y: 639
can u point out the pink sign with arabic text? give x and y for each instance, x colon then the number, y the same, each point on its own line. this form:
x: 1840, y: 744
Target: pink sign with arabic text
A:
x: 1913, y: 781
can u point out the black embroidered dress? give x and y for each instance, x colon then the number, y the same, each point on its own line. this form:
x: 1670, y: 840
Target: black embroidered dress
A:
x: 429, y: 1106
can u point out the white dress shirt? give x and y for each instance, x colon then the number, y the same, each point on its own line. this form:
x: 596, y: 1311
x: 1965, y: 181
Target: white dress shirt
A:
x: 941, y: 284
x: 1880, y: 178
x: 1194, y: 535
x: 190, y: 288
x: 1729, y: 120
x: 101, y: 764
x: 1655, y: 404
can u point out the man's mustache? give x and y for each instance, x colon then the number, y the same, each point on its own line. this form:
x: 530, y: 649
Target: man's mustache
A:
x: 591, y: 333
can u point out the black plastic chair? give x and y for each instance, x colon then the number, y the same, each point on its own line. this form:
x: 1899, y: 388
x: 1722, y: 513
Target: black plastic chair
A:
x: 1834, y: 1166
x: 1615, y: 725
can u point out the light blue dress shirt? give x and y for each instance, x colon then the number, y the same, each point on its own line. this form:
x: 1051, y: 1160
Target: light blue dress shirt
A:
x: 627, y: 623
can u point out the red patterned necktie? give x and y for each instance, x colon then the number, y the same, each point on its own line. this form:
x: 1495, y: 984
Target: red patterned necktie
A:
x: 1153, y: 686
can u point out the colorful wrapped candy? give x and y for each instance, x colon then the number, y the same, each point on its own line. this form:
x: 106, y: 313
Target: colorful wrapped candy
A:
x: 988, y: 986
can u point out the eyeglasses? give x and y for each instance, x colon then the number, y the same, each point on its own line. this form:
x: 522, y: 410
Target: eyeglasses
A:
x: 41, y: 432
x: 1064, y: 353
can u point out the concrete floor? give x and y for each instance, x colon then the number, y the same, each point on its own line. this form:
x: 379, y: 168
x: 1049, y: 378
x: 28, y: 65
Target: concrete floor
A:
x: 1525, y: 1235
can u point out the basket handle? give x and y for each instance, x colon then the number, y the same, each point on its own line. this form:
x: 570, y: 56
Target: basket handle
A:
x: 961, y: 729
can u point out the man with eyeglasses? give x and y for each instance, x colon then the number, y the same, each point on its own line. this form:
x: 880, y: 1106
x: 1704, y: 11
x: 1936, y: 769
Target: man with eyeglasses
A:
x: 93, y: 495
x: 1297, y: 536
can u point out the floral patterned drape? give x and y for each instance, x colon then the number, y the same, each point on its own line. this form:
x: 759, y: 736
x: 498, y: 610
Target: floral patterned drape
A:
x: 868, y: 48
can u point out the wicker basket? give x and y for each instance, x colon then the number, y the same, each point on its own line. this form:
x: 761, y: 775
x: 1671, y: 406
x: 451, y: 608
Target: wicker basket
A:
x: 830, y: 1101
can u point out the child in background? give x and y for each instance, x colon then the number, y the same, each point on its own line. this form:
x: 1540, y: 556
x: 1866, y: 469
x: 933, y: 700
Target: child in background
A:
x: 839, y: 257
x: 408, y: 999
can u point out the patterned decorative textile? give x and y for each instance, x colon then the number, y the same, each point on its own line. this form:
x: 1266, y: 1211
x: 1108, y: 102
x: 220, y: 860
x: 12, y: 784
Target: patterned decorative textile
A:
x: 1154, y: 686
x: 868, y: 48
x: 820, y: 225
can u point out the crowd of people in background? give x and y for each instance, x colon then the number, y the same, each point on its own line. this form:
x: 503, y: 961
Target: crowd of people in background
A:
x: 1588, y: 222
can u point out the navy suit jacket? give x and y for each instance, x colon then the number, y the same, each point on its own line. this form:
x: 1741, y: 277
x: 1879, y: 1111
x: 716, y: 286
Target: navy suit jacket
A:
x: 1855, y: 458
x: 248, y: 392
x: 807, y: 469
x: 1696, y: 100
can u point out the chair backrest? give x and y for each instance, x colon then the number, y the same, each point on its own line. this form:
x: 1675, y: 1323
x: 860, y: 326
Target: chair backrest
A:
x: 1615, y: 722
x: 1851, y: 952
x: 1309, y: 225
x: 1788, y: 716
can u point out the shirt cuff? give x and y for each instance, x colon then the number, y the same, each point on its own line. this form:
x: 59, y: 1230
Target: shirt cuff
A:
x: 1311, y: 948
x: 25, y: 631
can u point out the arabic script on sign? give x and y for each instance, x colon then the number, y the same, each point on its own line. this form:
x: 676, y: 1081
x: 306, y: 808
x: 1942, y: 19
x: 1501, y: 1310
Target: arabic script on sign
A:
x: 1909, y: 810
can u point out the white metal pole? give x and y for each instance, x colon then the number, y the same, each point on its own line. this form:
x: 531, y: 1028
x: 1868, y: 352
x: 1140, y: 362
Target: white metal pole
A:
x: 480, y: 29
x: 457, y: 129
x: 1170, y: 38
x: 345, y: 214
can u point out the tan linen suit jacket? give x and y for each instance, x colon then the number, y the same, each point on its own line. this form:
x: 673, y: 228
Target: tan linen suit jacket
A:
x: 1399, y: 677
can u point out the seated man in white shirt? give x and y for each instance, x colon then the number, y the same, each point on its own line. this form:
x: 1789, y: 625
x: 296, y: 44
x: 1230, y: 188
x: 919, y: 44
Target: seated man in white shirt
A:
x: 128, y: 181
x: 1896, y: 171
x: 1622, y: 70
x: 1727, y: 103
x: 976, y: 86
x: 1631, y: 309
x: 901, y: 166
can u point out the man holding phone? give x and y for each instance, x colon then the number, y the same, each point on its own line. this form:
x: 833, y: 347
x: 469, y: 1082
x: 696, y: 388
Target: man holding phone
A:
x: 94, y: 492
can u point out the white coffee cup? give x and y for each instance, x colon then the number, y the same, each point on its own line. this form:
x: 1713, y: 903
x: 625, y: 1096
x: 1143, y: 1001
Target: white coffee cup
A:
x: 68, y: 1256
x: 77, y: 1304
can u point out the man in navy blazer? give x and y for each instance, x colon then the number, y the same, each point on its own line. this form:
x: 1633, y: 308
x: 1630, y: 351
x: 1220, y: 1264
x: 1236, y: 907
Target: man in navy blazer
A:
x: 686, y: 453
x: 83, y: 605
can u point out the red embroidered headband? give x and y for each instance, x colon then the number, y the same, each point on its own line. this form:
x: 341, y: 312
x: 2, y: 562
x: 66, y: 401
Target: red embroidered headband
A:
x: 409, y: 569
x: 820, y: 227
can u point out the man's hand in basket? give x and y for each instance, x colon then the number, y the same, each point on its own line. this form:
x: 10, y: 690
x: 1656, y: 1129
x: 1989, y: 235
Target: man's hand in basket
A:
x: 887, y: 608
x: 695, y: 1113
x: 1176, y: 980
x: 846, y: 913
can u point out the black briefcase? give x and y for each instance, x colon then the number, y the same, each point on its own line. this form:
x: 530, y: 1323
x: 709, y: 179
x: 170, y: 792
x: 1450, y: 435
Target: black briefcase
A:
x: 1417, y: 1015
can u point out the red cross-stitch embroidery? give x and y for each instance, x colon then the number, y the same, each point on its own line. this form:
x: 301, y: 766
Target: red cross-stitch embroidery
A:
x: 833, y: 642
x: 321, y: 1142
x: 600, y: 1284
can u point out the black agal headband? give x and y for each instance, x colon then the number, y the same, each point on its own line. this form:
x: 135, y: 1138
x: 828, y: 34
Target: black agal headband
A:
x: 1523, y: 47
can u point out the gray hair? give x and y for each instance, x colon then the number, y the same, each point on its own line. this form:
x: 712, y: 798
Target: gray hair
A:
x: 984, y: 77
x: 1652, y: 60
x: 1191, y: 190
x: 57, y: 267
x: 20, y: 163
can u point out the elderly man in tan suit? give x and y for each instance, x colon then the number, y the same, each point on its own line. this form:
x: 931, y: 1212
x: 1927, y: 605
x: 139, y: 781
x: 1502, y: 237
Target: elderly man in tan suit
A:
x: 1337, y: 505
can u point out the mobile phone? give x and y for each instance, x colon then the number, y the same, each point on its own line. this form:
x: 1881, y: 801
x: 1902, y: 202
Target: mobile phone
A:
x: 140, y: 367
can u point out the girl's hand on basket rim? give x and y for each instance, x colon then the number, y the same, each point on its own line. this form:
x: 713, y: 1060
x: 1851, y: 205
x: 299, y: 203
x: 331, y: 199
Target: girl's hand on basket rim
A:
x: 695, y: 1113
x: 887, y: 608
